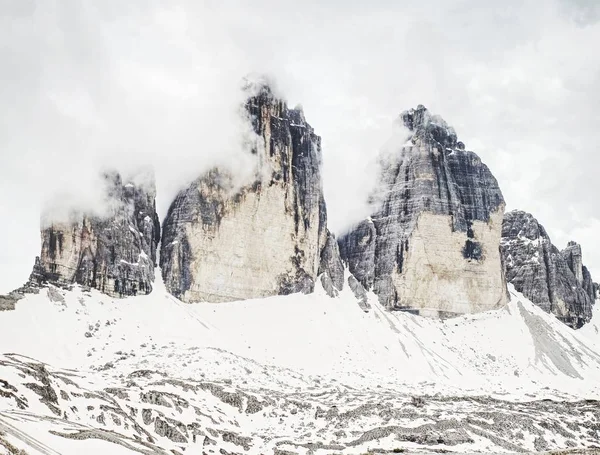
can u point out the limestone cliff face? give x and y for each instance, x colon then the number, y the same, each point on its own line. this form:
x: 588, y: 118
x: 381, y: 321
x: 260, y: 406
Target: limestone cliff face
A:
x: 222, y: 243
x: 557, y: 281
x: 431, y: 244
x: 331, y: 268
x: 114, y: 253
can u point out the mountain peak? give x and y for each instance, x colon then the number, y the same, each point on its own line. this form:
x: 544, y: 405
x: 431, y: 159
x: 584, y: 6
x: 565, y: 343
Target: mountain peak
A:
x: 425, y: 198
x: 259, y: 86
x: 199, y: 259
x: 429, y: 126
x: 556, y: 281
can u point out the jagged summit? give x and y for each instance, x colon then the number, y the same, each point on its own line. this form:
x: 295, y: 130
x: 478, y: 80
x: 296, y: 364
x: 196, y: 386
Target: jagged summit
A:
x: 555, y: 280
x: 527, y: 226
x: 261, y: 90
x: 428, y: 126
x: 465, y: 187
x: 267, y: 237
x: 431, y: 244
x: 421, y: 118
x: 110, y: 248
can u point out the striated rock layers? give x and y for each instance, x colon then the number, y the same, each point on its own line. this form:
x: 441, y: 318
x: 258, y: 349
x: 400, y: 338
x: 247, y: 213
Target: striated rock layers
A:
x: 557, y: 281
x: 331, y: 268
x: 114, y: 253
x: 432, y: 244
x: 222, y: 243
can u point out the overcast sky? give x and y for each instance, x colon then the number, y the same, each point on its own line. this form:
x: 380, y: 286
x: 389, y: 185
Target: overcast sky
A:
x: 90, y: 84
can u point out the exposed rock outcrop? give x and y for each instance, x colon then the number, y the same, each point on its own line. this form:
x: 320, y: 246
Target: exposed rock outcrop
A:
x: 331, y: 267
x: 557, y: 281
x: 114, y: 253
x: 431, y: 245
x: 359, y: 292
x: 222, y: 243
x: 7, y: 302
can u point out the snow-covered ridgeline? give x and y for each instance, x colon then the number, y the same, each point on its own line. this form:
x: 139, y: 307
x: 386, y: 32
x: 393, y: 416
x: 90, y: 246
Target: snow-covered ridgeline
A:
x: 188, y: 372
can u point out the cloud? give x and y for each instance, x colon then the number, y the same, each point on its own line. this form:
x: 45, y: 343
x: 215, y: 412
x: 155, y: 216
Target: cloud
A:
x: 89, y: 84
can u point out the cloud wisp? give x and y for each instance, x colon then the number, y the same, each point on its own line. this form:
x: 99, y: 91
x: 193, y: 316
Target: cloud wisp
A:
x: 89, y: 85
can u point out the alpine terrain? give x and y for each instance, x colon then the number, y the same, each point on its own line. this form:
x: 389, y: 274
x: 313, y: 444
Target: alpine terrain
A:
x: 243, y: 325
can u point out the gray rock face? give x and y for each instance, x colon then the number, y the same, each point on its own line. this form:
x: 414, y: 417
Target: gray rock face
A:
x: 222, y: 243
x: 359, y: 292
x: 331, y: 267
x: 114, y: 253
x: 554, y: 280
x: 431, y: 244
x: 7, y: 302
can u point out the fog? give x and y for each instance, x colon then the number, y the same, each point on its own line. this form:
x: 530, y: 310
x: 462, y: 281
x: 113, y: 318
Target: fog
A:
x: 95, y: 85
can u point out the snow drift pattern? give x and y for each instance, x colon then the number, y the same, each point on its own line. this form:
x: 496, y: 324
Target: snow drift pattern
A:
x: 153, y: 375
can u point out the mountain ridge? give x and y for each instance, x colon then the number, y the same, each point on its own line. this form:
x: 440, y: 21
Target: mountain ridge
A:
x: 438, y: 222
x: 318, y: 361
x: 555, y: 280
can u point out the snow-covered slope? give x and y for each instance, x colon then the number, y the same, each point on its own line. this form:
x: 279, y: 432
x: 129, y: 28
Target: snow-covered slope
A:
x: 300, y: 373
x: 592, y: 329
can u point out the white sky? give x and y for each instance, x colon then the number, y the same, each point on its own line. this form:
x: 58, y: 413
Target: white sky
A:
x: 88, y: 84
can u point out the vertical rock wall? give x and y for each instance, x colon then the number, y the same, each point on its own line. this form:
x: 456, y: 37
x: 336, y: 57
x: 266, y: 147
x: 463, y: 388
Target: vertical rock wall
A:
x: 557, y: 281
x: 115, y: 253
x: 431, y: 245
x: 221, y: 243
x: 331, y: 268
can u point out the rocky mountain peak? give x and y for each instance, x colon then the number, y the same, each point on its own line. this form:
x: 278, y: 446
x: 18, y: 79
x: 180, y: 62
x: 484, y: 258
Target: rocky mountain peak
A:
x: 429, y: 127
x: 572, y: 255
x: 518, y: 224
x: 431, y: 244
x: 557, y: 281
x: 267, y: 237
x: 262, y: 93
x: 111, y: 248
